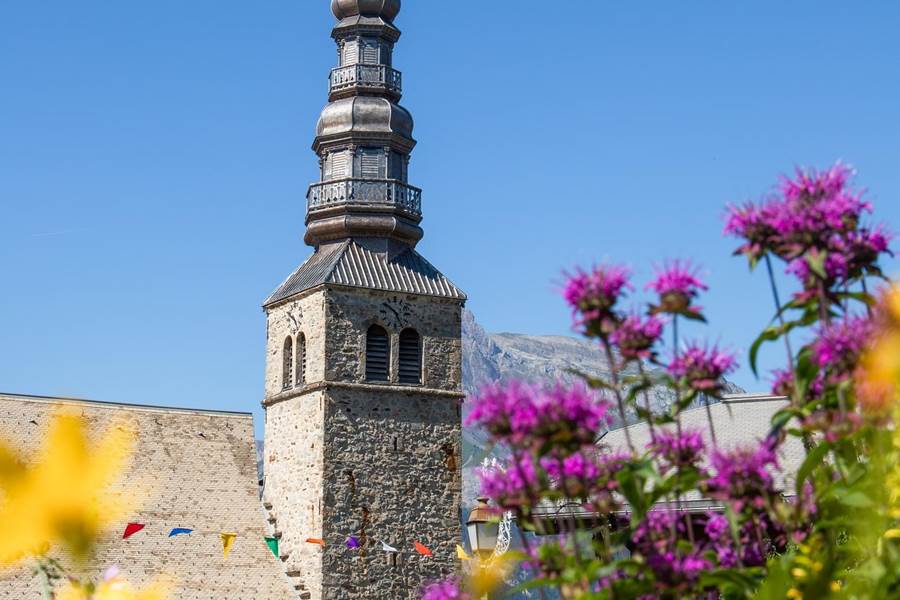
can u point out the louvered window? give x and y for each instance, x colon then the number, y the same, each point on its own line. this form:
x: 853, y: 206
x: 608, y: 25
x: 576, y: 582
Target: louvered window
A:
x: 351, y: 53
x: 410, y: 365
x: 336, y: 165
x: 377, y: 354
x: 301, y: 359
x: 287, y: 374
x: 370, y: 163
x: 370, y: 53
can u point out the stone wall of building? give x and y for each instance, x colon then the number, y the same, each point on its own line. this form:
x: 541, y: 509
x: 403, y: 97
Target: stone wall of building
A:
x: 378, y: 462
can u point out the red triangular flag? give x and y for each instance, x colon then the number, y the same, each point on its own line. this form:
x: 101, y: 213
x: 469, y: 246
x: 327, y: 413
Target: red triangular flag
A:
x: 423, y: 550
x: 131, y: 529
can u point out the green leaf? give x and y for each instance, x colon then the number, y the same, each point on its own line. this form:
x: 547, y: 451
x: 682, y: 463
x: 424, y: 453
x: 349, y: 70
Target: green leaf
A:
x: 813, y: 460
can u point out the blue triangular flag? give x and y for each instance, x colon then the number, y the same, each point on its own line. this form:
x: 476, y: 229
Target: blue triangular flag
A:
x: 180, y: 531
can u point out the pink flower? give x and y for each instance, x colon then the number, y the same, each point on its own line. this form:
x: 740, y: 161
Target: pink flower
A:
x: 743, y: 476
x: 449, y: 589
x: 528, y: 416
x: 515, y: 486
x: 677, y: 285
x: 840, y: 346
x: 702, y: 368
x: 678, y: 451
x: 634, y: 336
x: 592, y: 296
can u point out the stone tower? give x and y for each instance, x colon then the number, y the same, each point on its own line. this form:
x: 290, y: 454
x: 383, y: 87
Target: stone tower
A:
x: 363, y: 361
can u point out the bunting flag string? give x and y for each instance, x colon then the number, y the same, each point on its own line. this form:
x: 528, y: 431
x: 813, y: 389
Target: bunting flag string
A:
x: 316, y: 541
x: 227, y: 543
x: 461, y: 553
x: 131, y: 529
x: 180, y: 531
x: 423, y: 550
x: 352, y: 542
x: 387, y: 548
x: 272, y: 543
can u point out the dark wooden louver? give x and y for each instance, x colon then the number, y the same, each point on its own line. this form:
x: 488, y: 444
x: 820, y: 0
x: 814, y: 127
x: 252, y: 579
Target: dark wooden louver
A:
x: 410, y: 367
x: 301, y: 359
x: 377, y: 354
x: 287, y: 375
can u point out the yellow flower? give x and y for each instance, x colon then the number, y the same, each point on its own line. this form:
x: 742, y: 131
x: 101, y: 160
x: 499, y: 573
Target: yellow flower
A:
x: 893, y: 302
x: 835, y: 586
x: 487, y: 576
x: 113, y: 589
x: 892, y: 534
x: 795, y: 594
x: 65, y: 496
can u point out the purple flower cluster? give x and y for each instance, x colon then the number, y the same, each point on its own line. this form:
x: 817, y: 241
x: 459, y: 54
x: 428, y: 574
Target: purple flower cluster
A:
x: 634, y: 336
x: 677, y: 284
x: 840, y: 345
x: 593, y: 295
x: 702, y: 368
x: 528, y: 416
x: 743, y: 477
x: 589, y: 473
x: 678, y: 451
x: 815, y: 226
x: 673, y: 568
x: 513, y: 487
x: 445, y: 590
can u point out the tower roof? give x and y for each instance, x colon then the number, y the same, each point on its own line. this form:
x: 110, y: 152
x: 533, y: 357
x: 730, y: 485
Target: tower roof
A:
x: 386, y: 9
x: 350, y: 264
x: 364, y: 137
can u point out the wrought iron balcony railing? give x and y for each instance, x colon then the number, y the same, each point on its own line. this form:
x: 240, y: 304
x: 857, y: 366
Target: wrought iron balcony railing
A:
x: 377, y: 192
x: 371, y: 76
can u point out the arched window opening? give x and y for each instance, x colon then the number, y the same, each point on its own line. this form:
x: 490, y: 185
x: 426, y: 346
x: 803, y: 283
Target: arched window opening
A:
x: 287, y: 375
x: 410, y: 366
x: 301, y: 359
x: 377, y: 354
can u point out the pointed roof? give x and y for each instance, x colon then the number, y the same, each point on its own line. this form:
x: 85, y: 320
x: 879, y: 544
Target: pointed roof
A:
x: 350, y: 264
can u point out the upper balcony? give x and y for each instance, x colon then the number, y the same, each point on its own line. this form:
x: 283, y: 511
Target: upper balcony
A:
x: 373, y: 192
x: 344, y: 81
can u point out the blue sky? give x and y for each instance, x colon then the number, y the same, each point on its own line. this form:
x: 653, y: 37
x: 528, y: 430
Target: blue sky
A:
x: 154, y: 159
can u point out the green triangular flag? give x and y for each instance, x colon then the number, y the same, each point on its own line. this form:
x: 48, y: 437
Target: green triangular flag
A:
x: 273, y: 545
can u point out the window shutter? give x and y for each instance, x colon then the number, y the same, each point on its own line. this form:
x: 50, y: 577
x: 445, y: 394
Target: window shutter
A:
x: 338, y: 162
x: 370, y: 163
x: 377, y: 354
x: 370, y: 53
x: 287, y: 375
x: 351, y: 53
x: 410, y: 364
x: 301, y: 359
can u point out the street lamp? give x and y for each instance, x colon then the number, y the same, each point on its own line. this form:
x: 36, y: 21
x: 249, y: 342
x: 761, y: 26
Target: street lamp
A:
x: 483, y: 528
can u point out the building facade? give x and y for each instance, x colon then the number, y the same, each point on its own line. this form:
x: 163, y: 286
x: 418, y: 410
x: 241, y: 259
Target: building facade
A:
x: 363, y: 367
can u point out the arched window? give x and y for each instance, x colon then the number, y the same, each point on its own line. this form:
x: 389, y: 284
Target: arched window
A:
x: 287, y: 375
x: 301, y: 359
x: 377, y: 354
x: 410, y: 364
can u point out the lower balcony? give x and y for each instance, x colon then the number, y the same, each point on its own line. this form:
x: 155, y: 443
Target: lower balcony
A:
x: 375, y: 192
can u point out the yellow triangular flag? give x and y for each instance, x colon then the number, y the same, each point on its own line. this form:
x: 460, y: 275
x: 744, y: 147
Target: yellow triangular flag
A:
x: 461, y: 553
x: 227, y: 542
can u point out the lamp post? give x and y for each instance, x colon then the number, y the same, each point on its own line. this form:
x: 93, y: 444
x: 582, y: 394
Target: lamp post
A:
x: 483, y: 528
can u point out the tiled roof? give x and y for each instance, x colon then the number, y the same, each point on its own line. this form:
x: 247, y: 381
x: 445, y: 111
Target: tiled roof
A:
x: 199, y: 470
x: 350, y: 264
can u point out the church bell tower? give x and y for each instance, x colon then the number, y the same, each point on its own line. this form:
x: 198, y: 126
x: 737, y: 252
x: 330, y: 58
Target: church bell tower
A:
x: 363, y: 360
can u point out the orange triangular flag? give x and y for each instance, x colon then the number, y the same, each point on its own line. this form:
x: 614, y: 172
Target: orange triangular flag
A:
x: 315, y: 541
x: 423, y: 550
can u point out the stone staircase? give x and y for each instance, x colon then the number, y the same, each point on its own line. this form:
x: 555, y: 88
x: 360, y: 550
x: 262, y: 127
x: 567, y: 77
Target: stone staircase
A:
x: 296, y: 577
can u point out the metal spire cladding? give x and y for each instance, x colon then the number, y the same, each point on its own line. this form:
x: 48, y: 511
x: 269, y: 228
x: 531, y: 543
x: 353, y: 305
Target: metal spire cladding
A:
x: 364, y: 137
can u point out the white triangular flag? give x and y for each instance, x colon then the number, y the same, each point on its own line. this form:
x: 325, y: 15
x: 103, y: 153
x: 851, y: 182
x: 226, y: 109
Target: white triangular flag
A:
x: 387, y: 548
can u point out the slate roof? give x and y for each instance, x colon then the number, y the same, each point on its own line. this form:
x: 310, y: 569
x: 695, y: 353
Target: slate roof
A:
x: 350, y: 264
x: 199, y: 470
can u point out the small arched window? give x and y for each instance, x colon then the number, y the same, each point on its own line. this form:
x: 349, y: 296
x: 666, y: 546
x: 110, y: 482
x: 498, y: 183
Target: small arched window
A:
x: 410, y: 364
x: 377, y: 354
x: 287, y: 375
x: 301, y: 359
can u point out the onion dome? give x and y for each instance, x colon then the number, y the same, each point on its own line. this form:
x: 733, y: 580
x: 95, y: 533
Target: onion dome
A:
x: 386, y: 9
x: 364, y: 115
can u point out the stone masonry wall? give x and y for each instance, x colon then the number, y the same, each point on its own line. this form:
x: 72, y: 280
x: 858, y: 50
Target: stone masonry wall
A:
x: 379, y: 462
x: 294, y: 440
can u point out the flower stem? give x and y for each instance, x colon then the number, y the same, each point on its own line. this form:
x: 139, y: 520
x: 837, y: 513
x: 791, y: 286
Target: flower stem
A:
x: 777, y: 299
x: 614, y: 373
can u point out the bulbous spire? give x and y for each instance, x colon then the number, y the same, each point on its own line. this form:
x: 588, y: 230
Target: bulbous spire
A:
x: 386, y: 9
